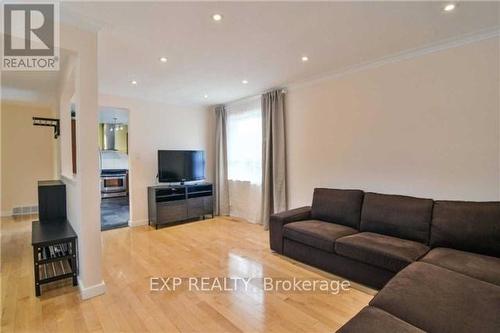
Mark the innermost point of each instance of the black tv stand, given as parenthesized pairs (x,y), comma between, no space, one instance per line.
(168,204)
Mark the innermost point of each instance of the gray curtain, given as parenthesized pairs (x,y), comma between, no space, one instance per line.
(273,155)
(221,183)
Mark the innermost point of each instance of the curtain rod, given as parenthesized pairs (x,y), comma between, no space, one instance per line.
(282,90)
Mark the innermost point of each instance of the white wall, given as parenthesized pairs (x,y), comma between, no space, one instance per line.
(82,189)
(427,126)
(27,154)
(66,93)
(153,126)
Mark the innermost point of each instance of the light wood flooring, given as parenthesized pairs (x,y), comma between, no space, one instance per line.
(214,248)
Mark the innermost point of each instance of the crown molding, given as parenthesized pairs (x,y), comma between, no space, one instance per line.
(400,56)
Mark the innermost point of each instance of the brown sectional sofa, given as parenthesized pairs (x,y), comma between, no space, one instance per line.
(436,262)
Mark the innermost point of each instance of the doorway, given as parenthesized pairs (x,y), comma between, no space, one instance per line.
(114,167)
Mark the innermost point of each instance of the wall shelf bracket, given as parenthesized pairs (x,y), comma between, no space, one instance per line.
(51,122)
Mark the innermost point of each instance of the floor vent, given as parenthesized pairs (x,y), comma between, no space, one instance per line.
(26,210)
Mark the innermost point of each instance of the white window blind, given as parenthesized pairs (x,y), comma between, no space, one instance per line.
(244,141)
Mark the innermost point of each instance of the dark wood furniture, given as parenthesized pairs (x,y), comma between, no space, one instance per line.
(73,141)
(55,253)
(51,200)
(174,203)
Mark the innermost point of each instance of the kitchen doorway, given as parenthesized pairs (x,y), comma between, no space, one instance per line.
(114,167)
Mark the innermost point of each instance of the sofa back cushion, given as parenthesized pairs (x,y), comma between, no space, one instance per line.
(397,215)
(467,226)
(337,206)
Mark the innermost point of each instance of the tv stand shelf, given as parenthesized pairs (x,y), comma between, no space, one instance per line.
(168,204)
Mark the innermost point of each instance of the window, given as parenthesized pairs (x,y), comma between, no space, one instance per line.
(244,141)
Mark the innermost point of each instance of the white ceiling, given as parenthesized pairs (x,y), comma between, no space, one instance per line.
(108,115)
(261,42)
(36,87)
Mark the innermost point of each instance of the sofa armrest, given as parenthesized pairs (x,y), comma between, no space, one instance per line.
(277,221)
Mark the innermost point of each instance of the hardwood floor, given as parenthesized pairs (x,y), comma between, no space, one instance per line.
(211,248)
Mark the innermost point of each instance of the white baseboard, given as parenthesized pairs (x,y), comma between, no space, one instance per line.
(6,213)
(136,223)
(92,291)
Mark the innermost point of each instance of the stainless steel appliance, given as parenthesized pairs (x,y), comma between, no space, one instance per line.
(114,183)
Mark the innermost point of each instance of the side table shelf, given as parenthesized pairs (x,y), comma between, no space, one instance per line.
(55,253)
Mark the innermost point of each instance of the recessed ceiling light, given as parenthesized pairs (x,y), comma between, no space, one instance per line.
(205,96)
(244,81)
(163,59)
(449,7)
(134,82)
(305,58)
(217,17)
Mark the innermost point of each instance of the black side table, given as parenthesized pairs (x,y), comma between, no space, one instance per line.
(55,253)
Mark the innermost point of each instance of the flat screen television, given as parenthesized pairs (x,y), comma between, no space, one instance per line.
(180,165)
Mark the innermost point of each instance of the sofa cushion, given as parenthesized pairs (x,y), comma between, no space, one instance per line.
(318,234)
(337,206)
(375,320)
(277,221)
(382,251)
(478,266)
(468,226)
(439,300)
(397,215)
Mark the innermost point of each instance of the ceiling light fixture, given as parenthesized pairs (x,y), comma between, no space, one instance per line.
(163,59)
(217,17)
(305,58)
(134,82)
(205,96)
(244,81)
(449,7)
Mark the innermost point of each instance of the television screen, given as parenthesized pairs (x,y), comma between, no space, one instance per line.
(181,165)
